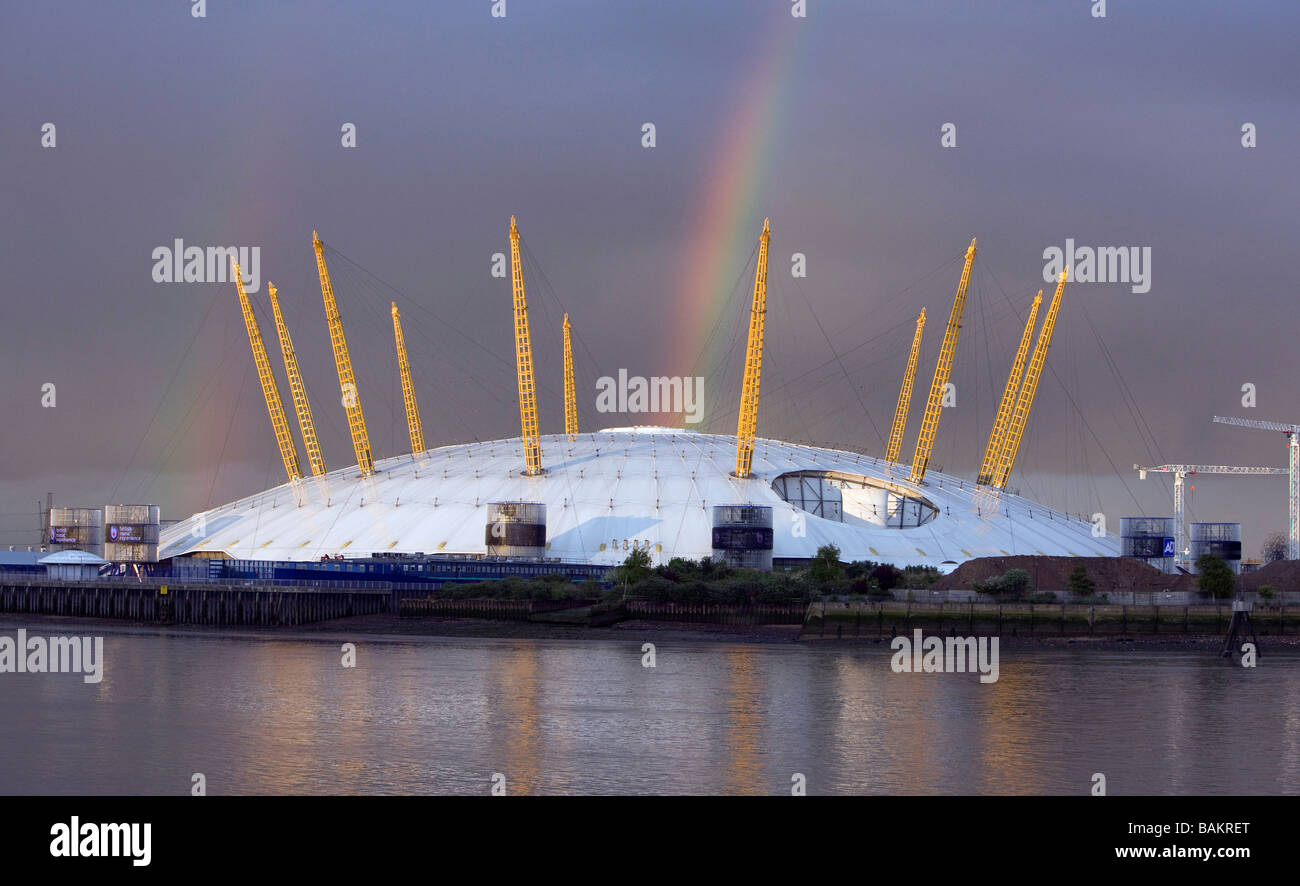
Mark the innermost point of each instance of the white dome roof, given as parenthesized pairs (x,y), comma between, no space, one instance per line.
(645,485)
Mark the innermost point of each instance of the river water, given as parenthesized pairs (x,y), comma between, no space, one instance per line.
(262,714)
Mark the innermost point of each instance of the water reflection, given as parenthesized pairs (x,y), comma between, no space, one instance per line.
(743,769)
(516,684)
(1008,712)
(259,714)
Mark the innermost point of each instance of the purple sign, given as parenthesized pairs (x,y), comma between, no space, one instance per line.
(126,533)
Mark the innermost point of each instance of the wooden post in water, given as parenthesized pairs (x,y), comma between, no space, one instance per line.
(1240,624)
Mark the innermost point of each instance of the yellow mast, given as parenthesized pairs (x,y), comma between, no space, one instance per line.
(942,371)
(296,387)
(347,381)
(905,395)
(408,389)
(1019,418)
(524,362)
(570,393)
(288,452)
(997,437)
(747,422)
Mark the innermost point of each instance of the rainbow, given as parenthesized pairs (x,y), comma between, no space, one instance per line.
(728,219)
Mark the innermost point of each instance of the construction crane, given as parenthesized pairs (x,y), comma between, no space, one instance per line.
(524,362)
(1033,374)
(747,421)
(343,362)
(1180,472)
(1293,460)
(305,423)
(288,452)
(570,392)
(905,395)
(408,389)
(942,371)
(993,452)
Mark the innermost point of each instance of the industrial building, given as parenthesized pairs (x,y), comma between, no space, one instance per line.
(594,497)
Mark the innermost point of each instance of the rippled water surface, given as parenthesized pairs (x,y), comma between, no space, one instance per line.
(278,714)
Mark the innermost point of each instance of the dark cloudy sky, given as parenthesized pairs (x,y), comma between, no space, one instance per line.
(225,130)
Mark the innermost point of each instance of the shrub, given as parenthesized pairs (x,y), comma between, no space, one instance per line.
(710,568)
(678,569)
(1080,584)
(919,577)
(734,590)
(656,590)
(565,591)
(1011,584)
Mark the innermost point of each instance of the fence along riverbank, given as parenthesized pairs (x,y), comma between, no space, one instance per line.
(193,605)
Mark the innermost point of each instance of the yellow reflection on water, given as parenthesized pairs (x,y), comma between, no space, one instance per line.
(279,682)
(1008,717)
(516,674)
(743,769)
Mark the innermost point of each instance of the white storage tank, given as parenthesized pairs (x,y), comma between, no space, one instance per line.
(515,529)
(742,535)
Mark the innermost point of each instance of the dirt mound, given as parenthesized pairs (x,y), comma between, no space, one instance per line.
(1283,575)
(1053,574)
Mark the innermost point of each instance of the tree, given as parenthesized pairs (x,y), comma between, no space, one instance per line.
(678,569)
(887,576)
(635,568)
(1080,584)
(1276,546)
(859,569)
(825,565)
(1214,576)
